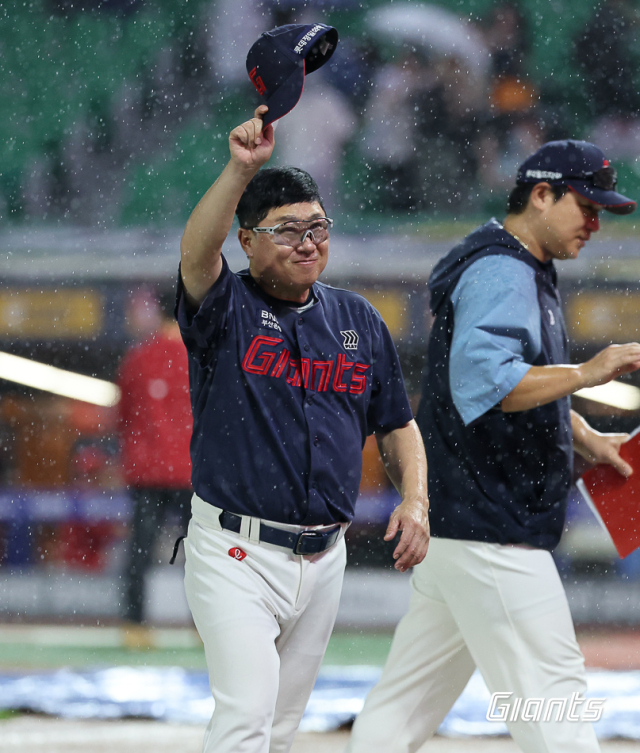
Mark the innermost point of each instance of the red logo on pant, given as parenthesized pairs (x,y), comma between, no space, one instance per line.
(237,553)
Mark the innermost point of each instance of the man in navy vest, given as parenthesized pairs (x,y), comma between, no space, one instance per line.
(500,433)
(288,377)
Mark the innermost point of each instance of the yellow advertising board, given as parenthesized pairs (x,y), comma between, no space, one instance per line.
(50,313)
(604,316)
(393,307)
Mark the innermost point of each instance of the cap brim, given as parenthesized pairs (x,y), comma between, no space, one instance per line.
(612,201)
(285,97)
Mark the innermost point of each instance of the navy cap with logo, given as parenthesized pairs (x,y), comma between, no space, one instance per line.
(581,166)
(278,61)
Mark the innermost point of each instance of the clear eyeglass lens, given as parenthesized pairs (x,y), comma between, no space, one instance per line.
(291,233)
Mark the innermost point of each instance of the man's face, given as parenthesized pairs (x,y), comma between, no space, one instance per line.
(286,272)
(566,225)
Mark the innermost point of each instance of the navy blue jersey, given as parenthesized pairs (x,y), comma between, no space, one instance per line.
(284,397)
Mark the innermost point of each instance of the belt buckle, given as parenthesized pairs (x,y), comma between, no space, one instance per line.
(314,542)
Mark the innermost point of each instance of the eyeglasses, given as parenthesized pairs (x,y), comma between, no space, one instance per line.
(295,232)
(605,178)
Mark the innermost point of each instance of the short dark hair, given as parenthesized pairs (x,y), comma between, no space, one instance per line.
(519,197)
(275,187)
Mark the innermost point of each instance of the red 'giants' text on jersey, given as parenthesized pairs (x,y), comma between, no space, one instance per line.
(265,358)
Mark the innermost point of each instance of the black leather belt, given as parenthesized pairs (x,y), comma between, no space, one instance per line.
(302,542)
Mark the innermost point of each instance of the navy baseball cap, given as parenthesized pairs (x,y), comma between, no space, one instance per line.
(581,166)
(278,61)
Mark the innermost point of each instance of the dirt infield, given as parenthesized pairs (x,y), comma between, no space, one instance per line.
(611,650)
(34,734)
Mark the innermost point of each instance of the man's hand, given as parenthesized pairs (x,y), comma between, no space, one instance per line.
(410,517)
(251,144)
(609,364)
(544,384)
(599,448)
(402,452)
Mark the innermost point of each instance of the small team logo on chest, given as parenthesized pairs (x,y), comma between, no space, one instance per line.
(268,320)
(351,339)
(237,553)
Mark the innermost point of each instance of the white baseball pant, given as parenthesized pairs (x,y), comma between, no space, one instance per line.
(499,608)
(265,621)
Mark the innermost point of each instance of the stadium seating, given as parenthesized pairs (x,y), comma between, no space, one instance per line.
(60,74)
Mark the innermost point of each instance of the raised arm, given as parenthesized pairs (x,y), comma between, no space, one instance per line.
(403,455)
(544,384)
(250,146)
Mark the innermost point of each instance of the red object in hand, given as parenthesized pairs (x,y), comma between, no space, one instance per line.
(615,500)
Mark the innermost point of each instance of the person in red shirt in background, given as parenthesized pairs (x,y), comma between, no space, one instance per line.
(155,425)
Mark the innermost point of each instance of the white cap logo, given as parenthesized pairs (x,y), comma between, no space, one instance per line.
(543,175)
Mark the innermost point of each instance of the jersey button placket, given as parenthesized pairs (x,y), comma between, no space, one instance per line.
(310,402)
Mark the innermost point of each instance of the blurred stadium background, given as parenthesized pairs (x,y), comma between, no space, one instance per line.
(115,116)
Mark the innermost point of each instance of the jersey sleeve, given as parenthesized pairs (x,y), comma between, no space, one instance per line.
(201,328)
(389,406)
(496,333)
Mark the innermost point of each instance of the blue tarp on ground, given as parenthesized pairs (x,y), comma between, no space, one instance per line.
(178,695)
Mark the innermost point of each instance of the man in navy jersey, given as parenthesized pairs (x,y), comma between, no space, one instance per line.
(288,377)
(500,434)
